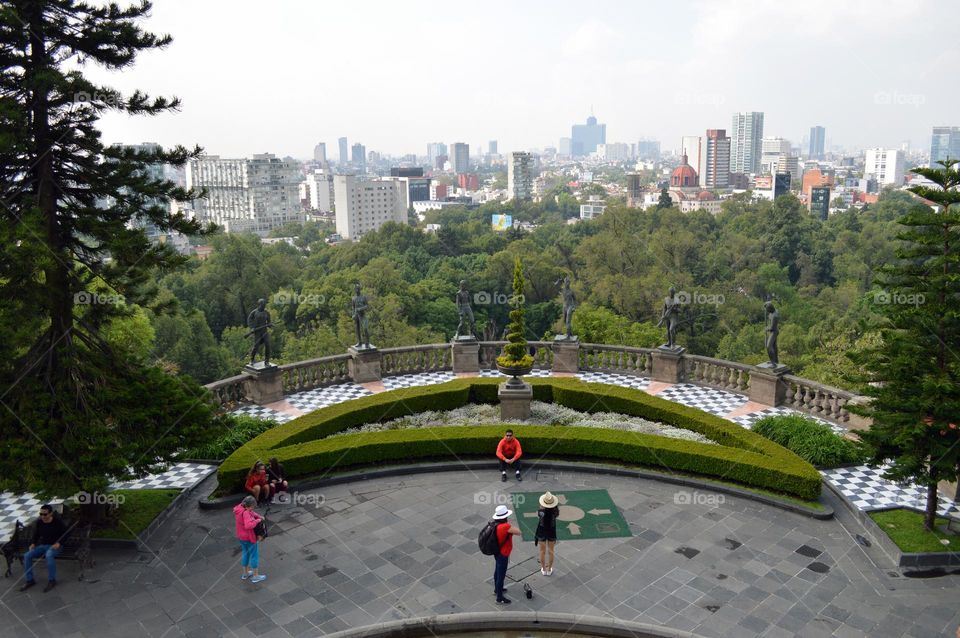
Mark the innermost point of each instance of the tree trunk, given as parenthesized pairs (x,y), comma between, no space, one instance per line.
(930,516)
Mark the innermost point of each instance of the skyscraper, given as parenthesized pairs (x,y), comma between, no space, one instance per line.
(358,157)
(648,150)
(520,176)
(692,147)
(715,159)
(460,153)
(884,165)
(320,153)
(344,158)
(944,143)
(492,147)
(434,151)
(585,137)
(745,150)
(817,136)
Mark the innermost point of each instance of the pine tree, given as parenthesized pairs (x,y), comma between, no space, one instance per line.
(664,201)
(515,352)
(77,413)
(914,374)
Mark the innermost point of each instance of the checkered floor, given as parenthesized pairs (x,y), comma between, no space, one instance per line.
(16,507)
(707,399)
(262,412)
(747,420)
(868,490)
(322,397)
(537,372)
(622,380)
(423,378)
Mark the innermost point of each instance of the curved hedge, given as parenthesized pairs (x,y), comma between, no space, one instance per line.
(741,455)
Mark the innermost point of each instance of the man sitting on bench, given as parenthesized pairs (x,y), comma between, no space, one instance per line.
(48,535)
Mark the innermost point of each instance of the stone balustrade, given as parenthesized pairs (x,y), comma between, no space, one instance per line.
(821,401)
(315,373)
(595,357)
(432,357)
(229,391)
(717,373)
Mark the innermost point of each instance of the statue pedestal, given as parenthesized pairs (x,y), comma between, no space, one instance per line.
(264,382)
(767,385)
(364,364)
(668,364)
(515,402)
(566,354)
(466,355)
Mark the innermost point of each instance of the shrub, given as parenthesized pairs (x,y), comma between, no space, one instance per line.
(811,440)
(239,430)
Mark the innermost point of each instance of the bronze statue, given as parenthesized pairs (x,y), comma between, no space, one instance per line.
(258,321)
(466,312)
(671,317)
(569,305)
(359,316)
(772,330)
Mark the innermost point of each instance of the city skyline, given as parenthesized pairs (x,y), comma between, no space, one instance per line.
(661,84)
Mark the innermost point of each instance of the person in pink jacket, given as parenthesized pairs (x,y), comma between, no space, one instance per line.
(246,520)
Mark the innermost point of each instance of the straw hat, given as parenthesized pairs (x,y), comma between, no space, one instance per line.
(548,500)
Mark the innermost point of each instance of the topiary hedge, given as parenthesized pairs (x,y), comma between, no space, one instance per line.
(741,455)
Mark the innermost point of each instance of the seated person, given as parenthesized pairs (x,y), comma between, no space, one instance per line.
(258,485)
(509,453)
(48,535)
(277,476)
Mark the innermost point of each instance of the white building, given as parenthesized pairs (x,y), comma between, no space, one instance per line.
(694,148)
(520,175)
(790,164)
(771,148)
(319,191)
(246,195)
(884,165)
(745,151)
(593,208)
(613,152)
(363,205)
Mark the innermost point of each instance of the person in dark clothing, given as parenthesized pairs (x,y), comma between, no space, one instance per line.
(546,534)
(48,535)
(278,478)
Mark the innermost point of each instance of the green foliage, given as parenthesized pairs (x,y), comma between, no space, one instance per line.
(811,440)
(137,511)
(906,529)
(238,430)
(515,352)
(740,456)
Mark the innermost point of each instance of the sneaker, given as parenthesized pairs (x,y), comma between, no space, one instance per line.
(550,572)
(245,576)
(544,572)
(503,600)
(503,477)
(27,585)
(50,585)
(258,579)
(519,478)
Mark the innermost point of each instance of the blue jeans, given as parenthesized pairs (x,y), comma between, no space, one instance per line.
(41,550)
(500,573)
(249,554)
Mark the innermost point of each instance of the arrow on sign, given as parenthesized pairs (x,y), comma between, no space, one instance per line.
(562,498)
(597,512)
(574,529)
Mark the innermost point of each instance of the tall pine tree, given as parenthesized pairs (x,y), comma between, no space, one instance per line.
(75,412)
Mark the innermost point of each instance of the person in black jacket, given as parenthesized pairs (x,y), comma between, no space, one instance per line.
(278,479)
(546,534)
(48,535)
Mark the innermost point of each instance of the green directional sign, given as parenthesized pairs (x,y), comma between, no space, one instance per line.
(584,514)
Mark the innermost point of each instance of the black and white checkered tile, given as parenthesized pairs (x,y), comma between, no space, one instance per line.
(16,507)
(423,378)
(622,380)
(263,412)
(537,372)
(310,400)
(179,476)
(747,420)
(716,402)
(866,488)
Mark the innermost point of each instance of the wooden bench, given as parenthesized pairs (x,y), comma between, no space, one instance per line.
(74,546)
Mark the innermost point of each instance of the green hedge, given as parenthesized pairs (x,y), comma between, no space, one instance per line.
(811,440)
(741,456)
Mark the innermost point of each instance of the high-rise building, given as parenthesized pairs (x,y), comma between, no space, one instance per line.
(520,176)
(648,150)
(634,190)
(460,153)
(153,171)
(435,150)
(692,147)
(344,158)
(320,191)
(884,165)
(585,137)
(745,149)
(715,160)
(771,148)
(613,152)
(255,195)
(320,153)
(944,143)
(820,201)
(492,147)
(564,147)
(414,186)
(817,137)
(789,164)
(781,184)
(358,157)
(364,205)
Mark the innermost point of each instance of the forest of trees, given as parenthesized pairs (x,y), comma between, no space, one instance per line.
(820,275)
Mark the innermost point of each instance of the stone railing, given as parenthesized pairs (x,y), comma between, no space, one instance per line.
(433,357)
(229,391)
(315,373)
(595,357)
(717,373)
(818,399)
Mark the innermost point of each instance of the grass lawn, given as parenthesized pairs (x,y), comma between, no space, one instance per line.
(905,528)
(138,510)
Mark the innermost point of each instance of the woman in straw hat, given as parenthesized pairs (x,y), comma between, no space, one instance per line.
(546,535)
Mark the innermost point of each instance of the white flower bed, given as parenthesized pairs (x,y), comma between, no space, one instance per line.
(540,414)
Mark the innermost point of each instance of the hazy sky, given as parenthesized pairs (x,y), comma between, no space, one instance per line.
(281,75)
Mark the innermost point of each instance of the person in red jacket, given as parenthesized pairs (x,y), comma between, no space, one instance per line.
(509,453)
(505,534)
(258,485)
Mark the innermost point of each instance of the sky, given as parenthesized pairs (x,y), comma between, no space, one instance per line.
(279,76)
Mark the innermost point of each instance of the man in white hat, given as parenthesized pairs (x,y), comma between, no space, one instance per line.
(505,534)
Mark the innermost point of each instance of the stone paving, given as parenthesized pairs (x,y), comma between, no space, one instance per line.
(388,549)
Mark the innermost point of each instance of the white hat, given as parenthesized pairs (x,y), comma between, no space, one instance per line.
(501,512)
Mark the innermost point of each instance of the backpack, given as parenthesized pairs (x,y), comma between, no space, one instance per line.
(487,540)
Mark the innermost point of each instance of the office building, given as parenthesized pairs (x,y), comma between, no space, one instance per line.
(254,195)
(613,152)
(584,138)
(364,205)
(564,147)
(320,153)
(593,208)
(884,165)
(715,160)
(820,202)
(781,184)
(153,171)
(745,149)
(771,148)
(344,151)
(816,142)
(492,147)
(434,151)
(944,143)
(692,147)
(789,164)
(634,190)
(414,186)
(358,158)
(520,176)
(319,187)
(648,150)
(460,157)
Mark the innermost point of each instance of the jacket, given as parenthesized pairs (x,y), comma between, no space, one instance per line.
(246,520)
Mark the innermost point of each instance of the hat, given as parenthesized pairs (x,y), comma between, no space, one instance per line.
(501,512)
(548,500)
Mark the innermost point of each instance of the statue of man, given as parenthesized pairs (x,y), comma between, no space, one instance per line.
(773,329)
(465,310)
(670,316)
(359,316)
(569,305)
(258,321)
